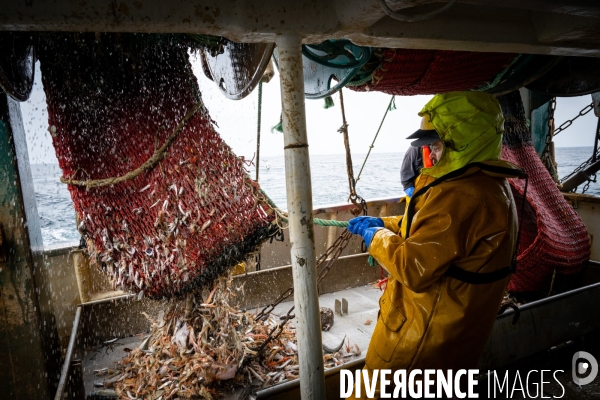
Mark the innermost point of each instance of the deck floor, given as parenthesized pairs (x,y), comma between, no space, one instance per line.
(363,305)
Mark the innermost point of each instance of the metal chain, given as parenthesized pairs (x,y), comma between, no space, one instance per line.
(569,122)
(547,156)
(583,166)
(587,163)
(328,258)
(276,331)
(257,259)
(357,200)
(551,131)
(264,313)
(324,263)
(587,184)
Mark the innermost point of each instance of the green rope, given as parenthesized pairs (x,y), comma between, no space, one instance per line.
(316,221)
(360,80)
(330,222)
(389,108)
(498,78)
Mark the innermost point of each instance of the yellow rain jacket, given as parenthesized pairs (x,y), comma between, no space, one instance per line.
(428,319)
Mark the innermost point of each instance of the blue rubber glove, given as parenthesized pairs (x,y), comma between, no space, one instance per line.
(368,235)
(359,224)
(409,191)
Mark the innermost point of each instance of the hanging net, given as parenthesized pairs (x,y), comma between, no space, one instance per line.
(162,202)
(407,72)
(553,237)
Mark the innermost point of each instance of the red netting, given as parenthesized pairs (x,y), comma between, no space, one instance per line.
(176,225)
(407,72)
(552,236)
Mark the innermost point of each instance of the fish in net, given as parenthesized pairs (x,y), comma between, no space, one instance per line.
(163,203)
(553,236)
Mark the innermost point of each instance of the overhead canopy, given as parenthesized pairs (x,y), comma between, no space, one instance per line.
(564,27)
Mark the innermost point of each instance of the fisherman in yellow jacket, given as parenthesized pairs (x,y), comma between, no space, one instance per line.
(450,256)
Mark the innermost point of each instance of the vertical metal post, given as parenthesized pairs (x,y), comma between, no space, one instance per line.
(258,129)
(299,204)
(596,139)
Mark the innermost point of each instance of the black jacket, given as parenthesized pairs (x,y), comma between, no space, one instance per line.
(411,166)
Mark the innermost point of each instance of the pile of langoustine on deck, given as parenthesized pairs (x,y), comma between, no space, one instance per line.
(204,348)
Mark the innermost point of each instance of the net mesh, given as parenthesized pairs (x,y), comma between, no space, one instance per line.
(407,72)
(113,102)
(553,237)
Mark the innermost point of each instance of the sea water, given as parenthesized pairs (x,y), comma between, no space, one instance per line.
(380,178)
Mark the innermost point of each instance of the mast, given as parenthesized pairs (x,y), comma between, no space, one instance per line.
(299,205)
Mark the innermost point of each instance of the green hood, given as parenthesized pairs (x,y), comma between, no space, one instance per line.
(470,124)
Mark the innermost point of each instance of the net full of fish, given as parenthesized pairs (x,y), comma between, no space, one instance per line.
(165,208)
(163,203)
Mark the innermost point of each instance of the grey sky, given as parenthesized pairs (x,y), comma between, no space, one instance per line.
(237,121)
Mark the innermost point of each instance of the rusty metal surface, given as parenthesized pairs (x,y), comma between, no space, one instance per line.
(28,349)
(528,26)
(239,69)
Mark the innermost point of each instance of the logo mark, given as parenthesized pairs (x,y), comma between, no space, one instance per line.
(590,365)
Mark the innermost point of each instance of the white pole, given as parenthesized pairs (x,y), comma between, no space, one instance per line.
(299,205)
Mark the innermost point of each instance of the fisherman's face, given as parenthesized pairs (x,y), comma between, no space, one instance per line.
(437,148)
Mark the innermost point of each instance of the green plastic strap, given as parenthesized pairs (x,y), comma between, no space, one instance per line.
(328,102)
(372,261)
(279,126)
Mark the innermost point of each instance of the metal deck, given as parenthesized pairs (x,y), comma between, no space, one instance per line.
(363,305)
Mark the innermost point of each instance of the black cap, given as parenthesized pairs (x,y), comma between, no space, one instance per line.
(423,137)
